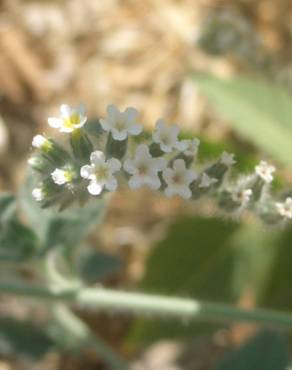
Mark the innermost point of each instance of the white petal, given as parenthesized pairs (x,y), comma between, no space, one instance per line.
(129,166)
(97,157)
(105,124)
(142,152)
(82,122)
(135,129)
(131,114)
(153,182)
(191,175)
(184,192)
(174,129)
(119,135)
(160,125)
(167,175)
(182,145)
(114,164)
(135,182)
(179,165)
(65,110)
(165,148)
(111,184)
(94,188)
(170,191)
(55,122)
(66,129)
(158,164)
(112,111)
(86,171)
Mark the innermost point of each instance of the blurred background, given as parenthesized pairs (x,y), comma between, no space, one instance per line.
(223,71)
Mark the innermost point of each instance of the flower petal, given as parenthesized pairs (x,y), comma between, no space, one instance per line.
(111,183)
(114,164)
(135,129)
(94,188)
(119,135)
(105,124)
(184,192)
(97,157)
(65,110)
(131,114)
(135,182)
(179,165)
(153,182)
(86,171)
(129,166)
(55,122)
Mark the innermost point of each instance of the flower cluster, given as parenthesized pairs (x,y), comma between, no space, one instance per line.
(166,163)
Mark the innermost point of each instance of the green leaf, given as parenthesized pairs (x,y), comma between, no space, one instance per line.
(67,228)
(266,351)
(260,112)
(194,260)
(96,266)
(17,242)
(7,206)
(23,338)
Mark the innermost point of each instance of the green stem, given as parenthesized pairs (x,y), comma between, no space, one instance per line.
(154,305)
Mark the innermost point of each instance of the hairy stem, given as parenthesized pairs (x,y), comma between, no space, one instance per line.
(154,305)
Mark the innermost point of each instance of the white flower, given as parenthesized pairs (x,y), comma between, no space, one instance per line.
(61,177)
(242,196)
(38,194)
(178,179)
(192,147)
(70,120)
(121,124)
(100,173)
(40,142)
(265,171)
(167,137)
(227,159)
(207,181)
(144,169)
(285,209)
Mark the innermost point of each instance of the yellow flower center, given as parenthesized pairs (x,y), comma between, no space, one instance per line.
(72,121)
(101,172)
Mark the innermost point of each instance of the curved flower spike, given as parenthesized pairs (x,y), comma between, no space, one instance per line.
(70,118)
(178,179)
(100,173)
(121,124)
(144,169)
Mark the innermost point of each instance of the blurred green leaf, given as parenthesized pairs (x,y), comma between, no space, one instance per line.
(17,242)
(7,206)
(96,266)
(67,228)
(195,260)
(260,112)
(266,351)
(23,338)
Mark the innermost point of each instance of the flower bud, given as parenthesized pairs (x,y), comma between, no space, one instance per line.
(81,145)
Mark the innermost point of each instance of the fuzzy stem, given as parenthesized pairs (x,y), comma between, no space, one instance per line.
(154,305)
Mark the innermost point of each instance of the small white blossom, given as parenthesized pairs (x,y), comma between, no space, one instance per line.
(242,196)
(167,137)
(178,179)
(61,177)
(207,181)
(40,142)
(228,159)
(38,194)
(144,169)
(70,119)
(121,124)
(192,147)
(100,173)
(285,209)
(265,171)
